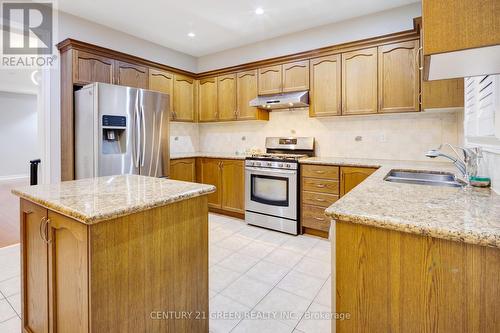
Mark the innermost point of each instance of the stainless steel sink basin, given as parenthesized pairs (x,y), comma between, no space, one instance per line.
(423,178)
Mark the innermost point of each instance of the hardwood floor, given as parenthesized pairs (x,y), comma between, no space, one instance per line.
(9,212)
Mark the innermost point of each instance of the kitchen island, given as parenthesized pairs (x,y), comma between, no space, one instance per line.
(115,254)
(415,258)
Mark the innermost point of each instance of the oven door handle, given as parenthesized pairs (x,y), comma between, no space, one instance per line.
(272,171)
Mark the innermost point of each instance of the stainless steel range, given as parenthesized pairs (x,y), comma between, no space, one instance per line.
(272,184)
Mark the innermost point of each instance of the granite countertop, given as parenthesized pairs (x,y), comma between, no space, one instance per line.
(94,200)
(470,215)
(232,156)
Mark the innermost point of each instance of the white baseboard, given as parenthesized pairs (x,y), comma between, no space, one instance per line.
(13,177)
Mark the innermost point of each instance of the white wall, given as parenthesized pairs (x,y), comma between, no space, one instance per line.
(18,133)
(382,23)
(397,136)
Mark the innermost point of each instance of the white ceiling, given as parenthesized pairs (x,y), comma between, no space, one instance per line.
(218,24)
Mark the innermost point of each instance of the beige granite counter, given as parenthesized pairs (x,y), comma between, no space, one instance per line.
(94,200)
(465,215)
(232,156)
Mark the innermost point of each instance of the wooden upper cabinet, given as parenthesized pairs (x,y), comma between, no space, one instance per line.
(325,94)
(246,90)
(131,75)
(270,80)
(163,82)
(398,77)
(89,68)
(211,173)
(350,177)
(443,94)
(295,76)
(208,99)
(452,25)
(359,82)
(183,98)
(226,97)
(233,186)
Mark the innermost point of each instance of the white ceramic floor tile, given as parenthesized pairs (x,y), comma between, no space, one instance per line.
(225,314)
(319,254)
(324,296)
(15,302)
(267,272)
(211,293)
(274,238)
(220,277)
(251,232)
(11,286)
(262,326)
(301,284)
(6,311)
(234,242)
(257,250)
(9,262)
(217,235)
(300,244)
(12,325)
(288,307)
(233,226)
(314,267)
(217,254)
(316,320)
(284,257)
(247,291)
(239,262)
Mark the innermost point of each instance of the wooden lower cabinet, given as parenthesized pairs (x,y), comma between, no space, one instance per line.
(183,169)
(391,281)
(350,177)
(113,275)
(229,178)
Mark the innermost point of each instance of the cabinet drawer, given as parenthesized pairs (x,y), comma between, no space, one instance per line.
(319,199)
(315,218)
(320,171)
(320,185)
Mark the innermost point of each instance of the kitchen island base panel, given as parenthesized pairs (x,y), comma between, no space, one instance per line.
(391,281)
(136,273)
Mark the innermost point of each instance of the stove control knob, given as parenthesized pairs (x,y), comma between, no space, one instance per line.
(250,163)
(288,165)
(280,165)
(269,164)
(257,164)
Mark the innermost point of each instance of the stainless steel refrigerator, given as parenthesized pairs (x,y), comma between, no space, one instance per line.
(121,130)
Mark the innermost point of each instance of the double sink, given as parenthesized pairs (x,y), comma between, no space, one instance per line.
(424,178)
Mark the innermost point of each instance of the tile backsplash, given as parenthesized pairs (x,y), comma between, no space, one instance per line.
(395,136)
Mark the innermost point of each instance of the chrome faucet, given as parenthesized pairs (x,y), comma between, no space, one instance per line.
(467,165)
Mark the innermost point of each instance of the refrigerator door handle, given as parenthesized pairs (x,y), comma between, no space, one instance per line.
(143,121)
(138,134)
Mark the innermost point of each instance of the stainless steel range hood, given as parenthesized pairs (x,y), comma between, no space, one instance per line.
(298,99)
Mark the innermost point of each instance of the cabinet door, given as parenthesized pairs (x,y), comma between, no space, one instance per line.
(208,99)
(163,82)
(359,82)
(92,68)
(351,177)
(69,276)
(183,98)
(325,94)
(35,273)
(210,173)
(233,186)
(246,90)
(183,169)
(398,77)
(443,94)
(296,76)
(226,97)
(270,80)
(131,75)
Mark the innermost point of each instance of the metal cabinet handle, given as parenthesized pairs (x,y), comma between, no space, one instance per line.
(319,171)
(319,218)
(41,227)
(47,234)
(320,185)
(320,200)
(419,57)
